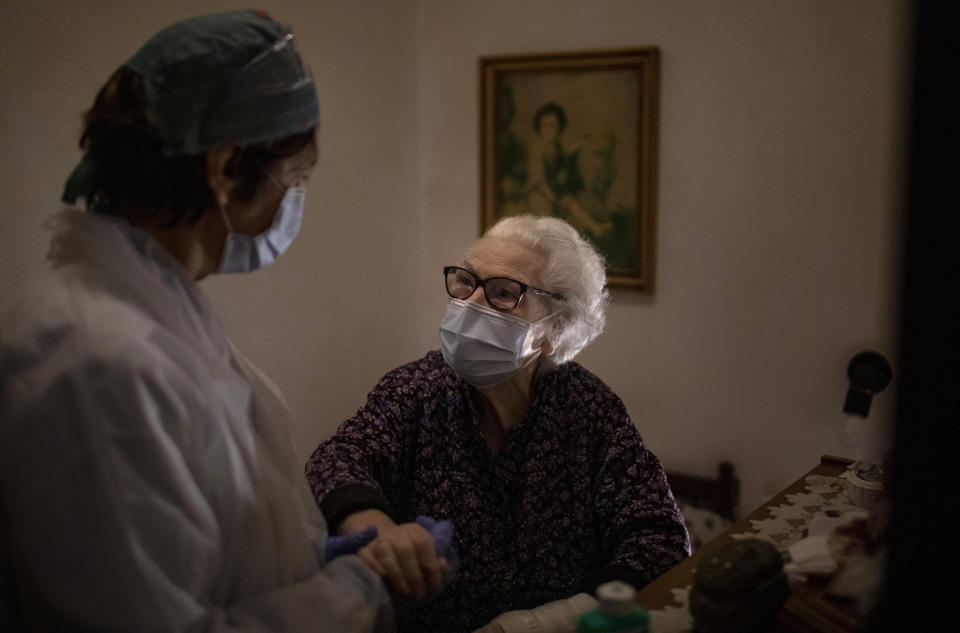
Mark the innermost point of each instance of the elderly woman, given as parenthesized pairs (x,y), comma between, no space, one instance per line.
(147,480)
(533,459)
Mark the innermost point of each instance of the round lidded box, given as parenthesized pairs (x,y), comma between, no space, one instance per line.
(739,587)
(864,483)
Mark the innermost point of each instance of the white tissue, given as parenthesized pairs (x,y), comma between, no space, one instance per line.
(811,556)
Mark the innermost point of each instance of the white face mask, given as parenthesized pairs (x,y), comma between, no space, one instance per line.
(246,253)
(486,347)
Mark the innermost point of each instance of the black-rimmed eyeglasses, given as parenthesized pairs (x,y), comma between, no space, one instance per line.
(502,293)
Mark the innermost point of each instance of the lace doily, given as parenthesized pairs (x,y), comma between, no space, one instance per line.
(787,522)
(784,528)
(673,619)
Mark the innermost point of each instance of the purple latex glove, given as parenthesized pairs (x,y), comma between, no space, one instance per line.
(442,533)
(350,544)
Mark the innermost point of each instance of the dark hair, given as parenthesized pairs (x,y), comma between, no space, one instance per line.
(550,108)
(135,177)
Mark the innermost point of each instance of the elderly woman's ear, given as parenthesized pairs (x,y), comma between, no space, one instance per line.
(552,336)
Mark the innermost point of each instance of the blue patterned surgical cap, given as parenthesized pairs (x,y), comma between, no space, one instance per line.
(220,80)
(232,78)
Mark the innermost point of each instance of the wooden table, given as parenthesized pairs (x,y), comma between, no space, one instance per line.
(807,610)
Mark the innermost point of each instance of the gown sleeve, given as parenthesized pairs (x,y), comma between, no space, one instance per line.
(111,526)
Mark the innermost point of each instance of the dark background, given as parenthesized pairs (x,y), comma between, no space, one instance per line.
(921,585)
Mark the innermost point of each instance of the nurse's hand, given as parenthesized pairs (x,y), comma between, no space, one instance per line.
(350,544)
(405,557)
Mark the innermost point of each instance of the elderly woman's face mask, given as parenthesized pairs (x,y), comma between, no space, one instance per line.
(486,347)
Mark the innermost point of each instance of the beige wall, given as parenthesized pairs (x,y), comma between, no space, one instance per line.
(777,214)
(777,221)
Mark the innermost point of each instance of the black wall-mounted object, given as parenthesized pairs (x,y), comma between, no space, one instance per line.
(869,372)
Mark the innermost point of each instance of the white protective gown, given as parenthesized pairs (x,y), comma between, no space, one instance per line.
(147,476)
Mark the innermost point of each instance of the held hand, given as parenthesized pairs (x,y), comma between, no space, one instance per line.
(406,557)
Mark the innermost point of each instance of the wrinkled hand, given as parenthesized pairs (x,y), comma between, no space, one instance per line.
(409,557)
(350,544)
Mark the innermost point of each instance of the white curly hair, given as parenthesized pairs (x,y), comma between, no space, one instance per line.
(569,266)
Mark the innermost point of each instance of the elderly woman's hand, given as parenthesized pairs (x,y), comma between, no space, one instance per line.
(559,616)
(406,558)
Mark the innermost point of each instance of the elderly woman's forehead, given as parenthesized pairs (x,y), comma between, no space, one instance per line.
(503,256)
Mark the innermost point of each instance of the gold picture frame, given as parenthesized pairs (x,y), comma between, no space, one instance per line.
(574,135)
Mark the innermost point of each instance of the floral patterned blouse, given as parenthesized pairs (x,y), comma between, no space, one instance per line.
(572,499)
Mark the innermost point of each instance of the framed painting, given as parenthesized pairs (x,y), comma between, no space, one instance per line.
(574,135)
